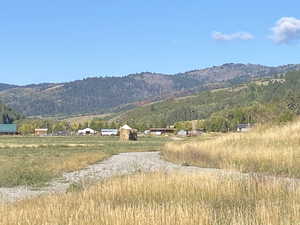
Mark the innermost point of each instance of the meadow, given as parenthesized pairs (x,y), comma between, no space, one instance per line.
(176,198)
(270,150)
(164,199)
(37,160)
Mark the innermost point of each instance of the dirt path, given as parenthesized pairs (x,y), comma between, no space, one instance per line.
(124,163)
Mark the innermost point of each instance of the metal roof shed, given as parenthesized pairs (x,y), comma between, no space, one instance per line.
(8,128)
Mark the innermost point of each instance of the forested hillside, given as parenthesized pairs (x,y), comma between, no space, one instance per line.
(275,100)
(107,94)
(7,115)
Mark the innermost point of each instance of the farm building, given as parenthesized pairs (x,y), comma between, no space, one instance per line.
(109,132)
(146,132)
(128,134)
(196,132)
(41,132)
(61,133)
(86,131)
(8,129)
(182,133)
(162,131)
(243,127)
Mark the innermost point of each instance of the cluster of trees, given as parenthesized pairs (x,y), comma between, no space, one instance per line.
(228,120)
(197,107)
(27,126)
(7,115)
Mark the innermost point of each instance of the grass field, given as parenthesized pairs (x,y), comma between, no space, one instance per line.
(270,150)
(164,199)
(161,198)
(37,160)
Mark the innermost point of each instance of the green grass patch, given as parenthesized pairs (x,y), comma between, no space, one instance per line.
(35,161)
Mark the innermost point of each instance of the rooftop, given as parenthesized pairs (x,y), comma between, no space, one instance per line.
(8,128)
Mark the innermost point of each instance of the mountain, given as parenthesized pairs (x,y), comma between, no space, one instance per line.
(106,94)
(265,100)
(6,86)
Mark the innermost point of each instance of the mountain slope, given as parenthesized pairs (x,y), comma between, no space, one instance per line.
(265,100)
(104,94)
(6,86)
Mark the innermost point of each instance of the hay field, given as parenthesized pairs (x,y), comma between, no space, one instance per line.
(164,199)
(37,160)
(270,150)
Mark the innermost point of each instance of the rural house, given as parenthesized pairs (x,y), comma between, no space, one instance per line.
(86,131)
(8,129)
(41,132)
(128,134)
(182,133)
(109,132)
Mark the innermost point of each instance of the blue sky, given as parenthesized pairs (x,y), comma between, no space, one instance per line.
(55,41)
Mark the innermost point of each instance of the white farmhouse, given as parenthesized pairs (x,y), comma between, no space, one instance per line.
(86,131)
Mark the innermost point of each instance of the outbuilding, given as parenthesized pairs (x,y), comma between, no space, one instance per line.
(41,132)
(182,133)
(8,129)
(162,131)
(128,134)
(109,132)
(196,132)
(87,131)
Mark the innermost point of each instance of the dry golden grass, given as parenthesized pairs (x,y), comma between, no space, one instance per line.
(77,161)
(164,199)
(273,150)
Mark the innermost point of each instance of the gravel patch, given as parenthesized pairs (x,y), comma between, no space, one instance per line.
(122,164)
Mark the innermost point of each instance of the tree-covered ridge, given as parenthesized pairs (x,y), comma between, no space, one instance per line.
(275,100)
(269,100)
(107,94)
(7,115)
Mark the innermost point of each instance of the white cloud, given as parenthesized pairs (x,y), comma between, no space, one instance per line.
(218,36)
(286,30)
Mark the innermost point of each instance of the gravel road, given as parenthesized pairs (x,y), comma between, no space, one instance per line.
(124,163)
